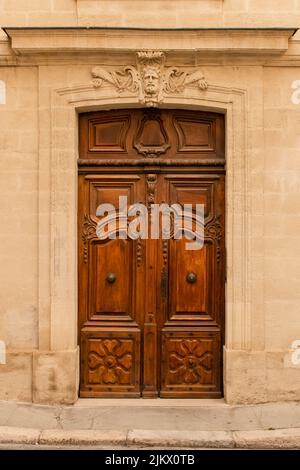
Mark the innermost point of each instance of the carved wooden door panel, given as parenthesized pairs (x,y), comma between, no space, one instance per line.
(191,292)
(110,292)
(151,311)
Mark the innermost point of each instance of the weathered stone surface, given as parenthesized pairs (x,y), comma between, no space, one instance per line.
(168,414)
(175,13)
(55,377)
(276,439)
(16,377)
(258,439)
(67,437)
(197,439)
(19,435)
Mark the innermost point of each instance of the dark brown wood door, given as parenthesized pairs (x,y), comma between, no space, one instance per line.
(151,311)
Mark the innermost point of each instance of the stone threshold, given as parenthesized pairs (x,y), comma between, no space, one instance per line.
(149,402)
(163,415)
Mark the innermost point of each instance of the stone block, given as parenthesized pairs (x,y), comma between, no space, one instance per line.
(55,376)
(16,377)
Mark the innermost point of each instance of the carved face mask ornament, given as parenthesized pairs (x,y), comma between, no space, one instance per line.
(151,80)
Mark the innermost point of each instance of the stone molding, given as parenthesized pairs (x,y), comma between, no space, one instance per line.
(81,39)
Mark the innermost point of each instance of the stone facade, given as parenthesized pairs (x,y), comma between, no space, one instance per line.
(46,79)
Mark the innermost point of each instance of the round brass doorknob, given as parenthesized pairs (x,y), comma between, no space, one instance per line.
(111,277)
(191,278)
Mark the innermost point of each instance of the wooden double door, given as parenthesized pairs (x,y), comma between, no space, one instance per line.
(151,311)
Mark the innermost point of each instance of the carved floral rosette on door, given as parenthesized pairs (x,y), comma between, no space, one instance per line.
(151,312)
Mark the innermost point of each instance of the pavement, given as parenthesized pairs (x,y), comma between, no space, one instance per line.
(158,423)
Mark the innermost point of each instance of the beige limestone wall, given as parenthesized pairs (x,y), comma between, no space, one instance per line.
(38,12)
(18,234)
(188,13)
(38,150)
(282,207)
(150,13)
(42,354)
(18,207)
(266,373)
(282,227)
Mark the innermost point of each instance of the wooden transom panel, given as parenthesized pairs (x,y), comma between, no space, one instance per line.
(176,134)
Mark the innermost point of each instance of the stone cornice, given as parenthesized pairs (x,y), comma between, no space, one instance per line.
(91,40)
